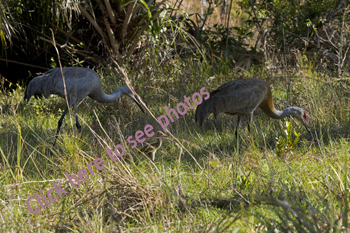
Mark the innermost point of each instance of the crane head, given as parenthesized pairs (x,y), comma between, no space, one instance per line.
(300,114)
(129,93)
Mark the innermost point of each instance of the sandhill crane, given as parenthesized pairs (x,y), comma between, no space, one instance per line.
(79,83)
(151,149)
(242,97)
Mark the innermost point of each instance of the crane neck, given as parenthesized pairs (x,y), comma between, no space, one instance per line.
(105,98)
(273,113)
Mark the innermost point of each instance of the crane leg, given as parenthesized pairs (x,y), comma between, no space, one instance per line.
(60,124)
(249,120)
(76,117)
(238,119)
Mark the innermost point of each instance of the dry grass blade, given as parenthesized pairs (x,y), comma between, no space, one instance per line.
(63,78)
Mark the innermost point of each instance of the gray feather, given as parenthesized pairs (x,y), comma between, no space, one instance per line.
(76,83)
(242,97)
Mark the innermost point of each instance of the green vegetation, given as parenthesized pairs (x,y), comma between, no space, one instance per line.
(252,189)
(274,179)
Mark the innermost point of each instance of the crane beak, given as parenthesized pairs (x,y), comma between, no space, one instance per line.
(308,130)
(134,98)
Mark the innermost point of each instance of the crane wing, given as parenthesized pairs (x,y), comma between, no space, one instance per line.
(235,97)
(238,98)
(79,82)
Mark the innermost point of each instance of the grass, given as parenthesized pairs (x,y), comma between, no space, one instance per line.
(209,182)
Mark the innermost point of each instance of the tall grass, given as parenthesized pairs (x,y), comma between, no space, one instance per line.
(236,186)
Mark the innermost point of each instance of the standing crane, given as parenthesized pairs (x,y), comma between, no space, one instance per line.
(241,97)
(79,83)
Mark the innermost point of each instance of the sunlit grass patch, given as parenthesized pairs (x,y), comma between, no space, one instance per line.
(201,180)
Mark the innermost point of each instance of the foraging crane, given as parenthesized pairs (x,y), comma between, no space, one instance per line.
(151,149)
(242,97)
(79,83)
